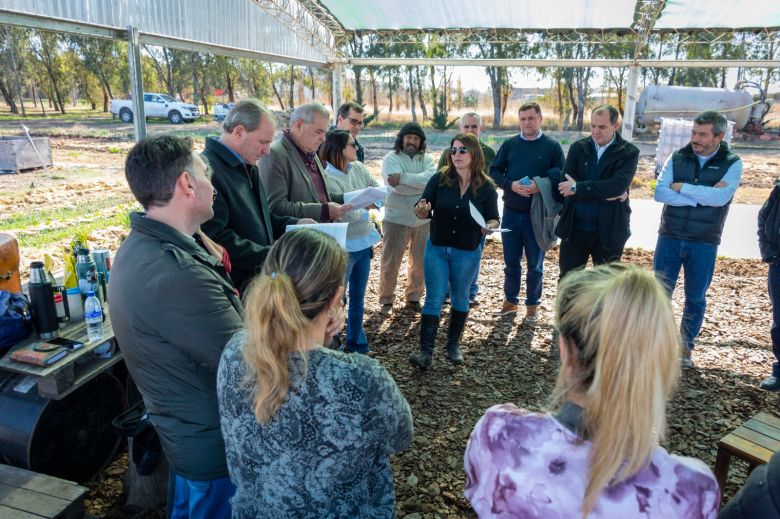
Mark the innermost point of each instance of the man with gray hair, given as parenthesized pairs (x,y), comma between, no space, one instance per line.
(696,186)
(293,175)
(243,223)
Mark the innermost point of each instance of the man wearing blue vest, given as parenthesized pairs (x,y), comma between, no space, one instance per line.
(696,186)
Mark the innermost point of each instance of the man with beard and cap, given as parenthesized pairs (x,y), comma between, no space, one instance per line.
(406,171)
(696,186)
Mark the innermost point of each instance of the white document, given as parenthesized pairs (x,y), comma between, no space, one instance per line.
(477,216)
(365,197)
(337,231)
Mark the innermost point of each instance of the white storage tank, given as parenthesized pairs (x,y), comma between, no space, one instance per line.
(657,102)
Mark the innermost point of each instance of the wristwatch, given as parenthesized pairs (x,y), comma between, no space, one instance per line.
(573,188)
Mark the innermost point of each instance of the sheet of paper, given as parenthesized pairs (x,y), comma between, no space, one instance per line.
(337,231)
(477,216)
(365,197)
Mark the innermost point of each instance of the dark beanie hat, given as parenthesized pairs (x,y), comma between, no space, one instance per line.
(412,128)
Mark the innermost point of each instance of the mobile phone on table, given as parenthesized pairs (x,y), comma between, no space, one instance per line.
(66,343)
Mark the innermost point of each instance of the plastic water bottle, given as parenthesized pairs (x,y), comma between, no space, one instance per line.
(93,314)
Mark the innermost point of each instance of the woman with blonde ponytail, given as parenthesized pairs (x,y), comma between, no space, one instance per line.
(597,455)
(307,430)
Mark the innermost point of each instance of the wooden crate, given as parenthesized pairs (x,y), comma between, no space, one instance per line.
(17,154)
(29,495)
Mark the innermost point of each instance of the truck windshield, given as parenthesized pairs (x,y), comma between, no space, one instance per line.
(168,98)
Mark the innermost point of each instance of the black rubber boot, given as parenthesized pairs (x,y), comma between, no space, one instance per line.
(429,326)
(457,323)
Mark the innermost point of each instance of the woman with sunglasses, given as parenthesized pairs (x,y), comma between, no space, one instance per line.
(452,252)
(344,174)
(597,454)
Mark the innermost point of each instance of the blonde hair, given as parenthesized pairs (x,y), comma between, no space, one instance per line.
(302,273)
(617,323)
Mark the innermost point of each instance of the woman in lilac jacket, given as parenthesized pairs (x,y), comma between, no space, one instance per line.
(597,455)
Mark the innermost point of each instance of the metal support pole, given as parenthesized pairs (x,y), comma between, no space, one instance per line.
(629,112)
(337,71)
(136,83)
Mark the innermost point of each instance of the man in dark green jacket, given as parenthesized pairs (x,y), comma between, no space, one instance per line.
(595,217)
(242,221)
(173,309)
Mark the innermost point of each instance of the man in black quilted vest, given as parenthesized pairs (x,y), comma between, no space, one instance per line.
(696,186)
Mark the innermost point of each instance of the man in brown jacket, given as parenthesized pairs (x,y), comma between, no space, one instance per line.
(294,177)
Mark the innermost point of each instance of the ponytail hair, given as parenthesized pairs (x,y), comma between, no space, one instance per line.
(302,273)
(617,324)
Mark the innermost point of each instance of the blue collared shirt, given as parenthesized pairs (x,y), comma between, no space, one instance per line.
(601,149)
(537,137)
(693,195)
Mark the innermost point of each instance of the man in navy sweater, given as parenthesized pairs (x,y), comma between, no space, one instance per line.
(520,160)
(598,171)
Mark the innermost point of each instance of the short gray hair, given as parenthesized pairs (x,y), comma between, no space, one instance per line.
(475,115)
(248,113)
(716,119)
(307,112)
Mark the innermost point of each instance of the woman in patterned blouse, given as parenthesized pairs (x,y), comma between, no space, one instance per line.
(598,455)
(308,431)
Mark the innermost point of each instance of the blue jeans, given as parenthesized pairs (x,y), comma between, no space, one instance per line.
(774,296)
(358,267)
(474,290)
(448,267)
(698,262)
(521,238)
(208,499)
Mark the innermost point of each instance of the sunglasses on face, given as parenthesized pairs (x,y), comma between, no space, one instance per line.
(353,144)
(462,150)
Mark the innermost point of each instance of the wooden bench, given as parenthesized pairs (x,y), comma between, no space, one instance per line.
(754,441)
(29,495)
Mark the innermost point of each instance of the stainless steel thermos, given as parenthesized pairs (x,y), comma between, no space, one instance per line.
(44,310)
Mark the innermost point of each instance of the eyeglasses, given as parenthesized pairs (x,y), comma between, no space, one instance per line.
(462,150)
(353,144)
(355,122)
(214,194)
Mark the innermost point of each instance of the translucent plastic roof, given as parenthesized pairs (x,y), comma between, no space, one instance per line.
(357,15)
(719,14)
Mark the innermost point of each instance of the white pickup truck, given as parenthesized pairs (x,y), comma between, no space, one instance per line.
(158,106)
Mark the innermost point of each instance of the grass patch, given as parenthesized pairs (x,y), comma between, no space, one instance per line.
(114,149)
(37,217)
(40,239)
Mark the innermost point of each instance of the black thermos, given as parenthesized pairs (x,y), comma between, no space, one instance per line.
(44,309)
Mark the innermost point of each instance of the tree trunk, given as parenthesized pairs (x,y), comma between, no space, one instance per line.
(559,91)
(372,77)
(9,99)
(390,92)
(276,93)
(575,108)
(411,93)
(291,97)
(313,86)
(420,96)
(229,87)
(358,85)
(105,101)
(495,88)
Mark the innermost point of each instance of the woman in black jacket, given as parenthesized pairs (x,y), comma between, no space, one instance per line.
(453,251)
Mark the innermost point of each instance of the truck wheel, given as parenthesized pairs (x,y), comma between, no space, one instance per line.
(175,117)
(126,115)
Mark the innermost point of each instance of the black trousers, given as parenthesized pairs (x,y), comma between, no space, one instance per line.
(583,245)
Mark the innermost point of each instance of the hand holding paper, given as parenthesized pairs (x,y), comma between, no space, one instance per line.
(477,216)
(365,197)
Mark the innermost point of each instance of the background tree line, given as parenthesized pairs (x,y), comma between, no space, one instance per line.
(52,71)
